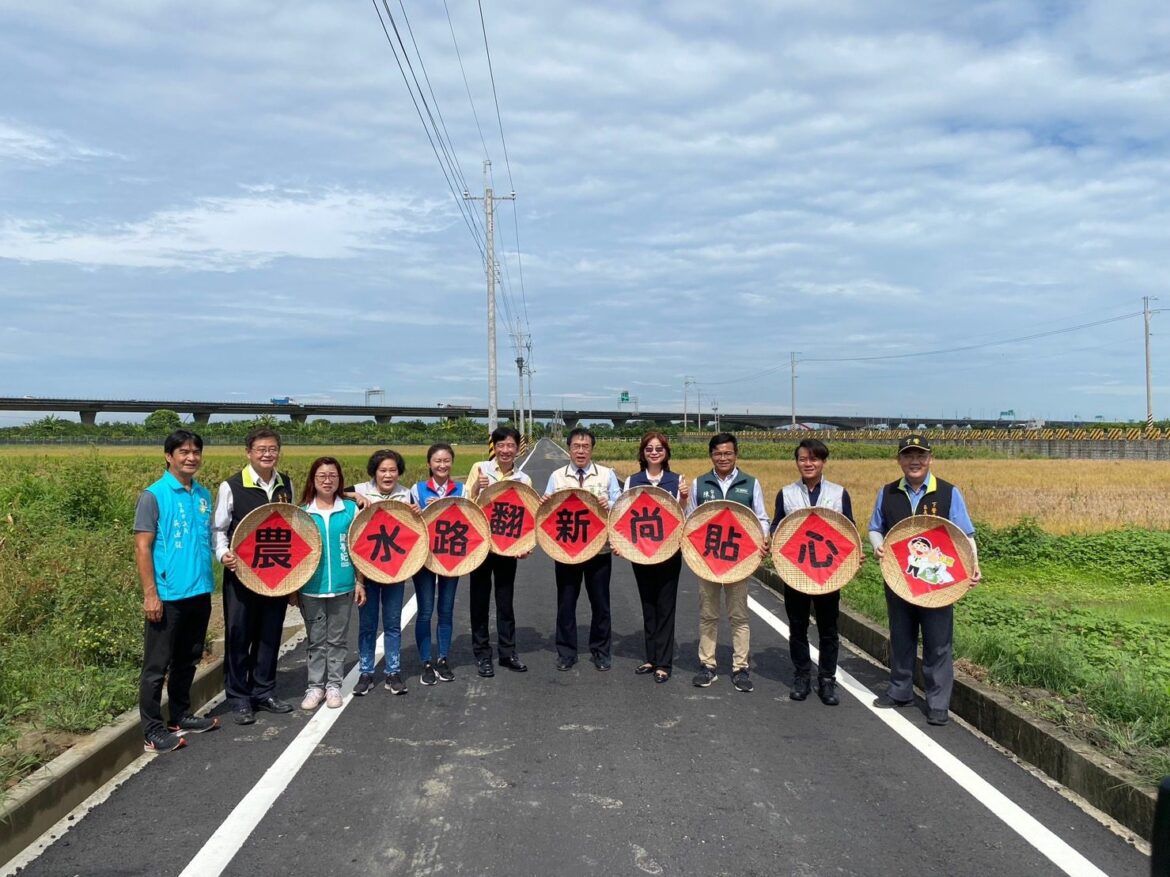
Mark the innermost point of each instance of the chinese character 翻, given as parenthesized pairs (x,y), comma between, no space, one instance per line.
(810,549)
(646,525)
(507,520)
(385,543)
(273,548)
(450,538)
(715,545)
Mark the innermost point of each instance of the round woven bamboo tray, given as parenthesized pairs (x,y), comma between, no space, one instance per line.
(514,533)
(645,525)
(927,561)
(277,547)
(577,538)
(458,535)
(732,560)
(388,541)
(816,551)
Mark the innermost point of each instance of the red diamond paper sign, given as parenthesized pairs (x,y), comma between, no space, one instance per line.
(452,537)
(508,519)
(647,523)
(385,543)
(573,525)
(273,550)
(723,542)
(818,549)
(929,561)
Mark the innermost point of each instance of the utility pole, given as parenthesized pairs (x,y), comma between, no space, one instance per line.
(490,267)
(715,408)
(528,371)
(793,361)
(1149,383)
(688,382)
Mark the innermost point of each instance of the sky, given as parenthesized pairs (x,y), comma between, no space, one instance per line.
(236,201)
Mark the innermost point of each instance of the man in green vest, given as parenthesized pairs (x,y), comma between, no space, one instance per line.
(725,481)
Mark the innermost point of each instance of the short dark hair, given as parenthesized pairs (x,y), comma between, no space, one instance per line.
(578,431)
(261,432)
(816,447)
(379,457)
(310,489)
(722,438)
(180,437)
(435,448)
(505,432)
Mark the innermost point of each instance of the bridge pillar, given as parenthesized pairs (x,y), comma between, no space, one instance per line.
(618,421)
(201,417)
(382,418)
(88,418)
(299,417)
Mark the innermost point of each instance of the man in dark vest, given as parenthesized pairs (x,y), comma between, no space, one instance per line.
(918,492)
(252,622)
(725,481)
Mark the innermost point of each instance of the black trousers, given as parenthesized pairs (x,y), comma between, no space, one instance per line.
(172,648)
(503,570)
(252,628)
(658,588)
(595,573)
(826,606)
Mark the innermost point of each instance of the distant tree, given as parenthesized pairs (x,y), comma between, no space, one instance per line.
(163,421)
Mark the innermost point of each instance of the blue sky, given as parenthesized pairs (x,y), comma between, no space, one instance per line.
(238,200)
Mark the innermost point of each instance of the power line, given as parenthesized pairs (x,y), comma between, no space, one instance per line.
(465,212)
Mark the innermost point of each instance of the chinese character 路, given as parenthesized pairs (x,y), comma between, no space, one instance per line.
(450,538)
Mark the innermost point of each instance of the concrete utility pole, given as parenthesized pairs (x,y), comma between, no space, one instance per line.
(528,372)
(715,409)
(688,382)
(793,360)
(1149,383)
(490,267)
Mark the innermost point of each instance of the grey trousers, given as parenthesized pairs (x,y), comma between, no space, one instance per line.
(327,626)
(938,671)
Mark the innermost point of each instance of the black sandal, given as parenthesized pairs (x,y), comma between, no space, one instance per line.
(643,669)
(661,674)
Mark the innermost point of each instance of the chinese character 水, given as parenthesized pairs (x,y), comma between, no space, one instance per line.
(384,543)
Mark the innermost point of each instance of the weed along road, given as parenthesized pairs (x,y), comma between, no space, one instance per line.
(588,772)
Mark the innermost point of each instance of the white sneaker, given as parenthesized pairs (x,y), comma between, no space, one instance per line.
(313,698)
(333,698)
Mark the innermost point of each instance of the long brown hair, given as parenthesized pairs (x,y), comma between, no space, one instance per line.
(310,490)
(662,440)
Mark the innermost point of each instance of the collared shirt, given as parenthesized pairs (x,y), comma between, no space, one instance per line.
(492,470)
(370,491)
(958,516)
(178,517)
(758,507)
(223,506)
(612,489)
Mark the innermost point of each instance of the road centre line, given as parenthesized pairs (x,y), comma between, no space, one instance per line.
(234,832)
(1011,814)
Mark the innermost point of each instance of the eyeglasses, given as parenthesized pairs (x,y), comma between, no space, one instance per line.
(654,449)
(322,476)
(266,452)
(580,446)
(723,455)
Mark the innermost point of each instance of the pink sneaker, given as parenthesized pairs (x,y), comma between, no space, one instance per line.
(313,698)
(333,698)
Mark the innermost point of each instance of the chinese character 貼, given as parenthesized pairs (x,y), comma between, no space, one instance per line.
(715,545)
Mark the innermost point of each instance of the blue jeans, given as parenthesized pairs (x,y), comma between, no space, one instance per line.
(384,601)
(425,583)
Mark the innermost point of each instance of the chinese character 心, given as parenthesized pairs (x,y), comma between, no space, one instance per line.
(809,549)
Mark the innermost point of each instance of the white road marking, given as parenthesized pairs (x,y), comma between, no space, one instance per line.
(1012,815)
(234,832)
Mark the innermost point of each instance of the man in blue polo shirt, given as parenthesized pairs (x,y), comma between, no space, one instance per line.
(172,549)
(919,492)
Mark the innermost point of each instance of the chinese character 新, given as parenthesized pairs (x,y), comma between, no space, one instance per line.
(572,526)
(384,543)
(273,548)
(450,538)
(715,545)
(507,520)
(809,549)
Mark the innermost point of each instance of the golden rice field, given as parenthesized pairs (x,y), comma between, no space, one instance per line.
(1064,496)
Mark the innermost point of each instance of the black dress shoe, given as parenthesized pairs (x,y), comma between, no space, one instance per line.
(565,663)
(244,716)
(484,668)
(602,662)
(273,705)
(800,688)
(827,692)
(513,663)
(937,717)
(885,702)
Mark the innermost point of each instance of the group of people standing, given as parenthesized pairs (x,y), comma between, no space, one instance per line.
(177,529)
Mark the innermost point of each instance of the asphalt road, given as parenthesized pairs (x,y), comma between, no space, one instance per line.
(584,772)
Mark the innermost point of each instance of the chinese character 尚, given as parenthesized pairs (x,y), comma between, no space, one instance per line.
(647,525)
